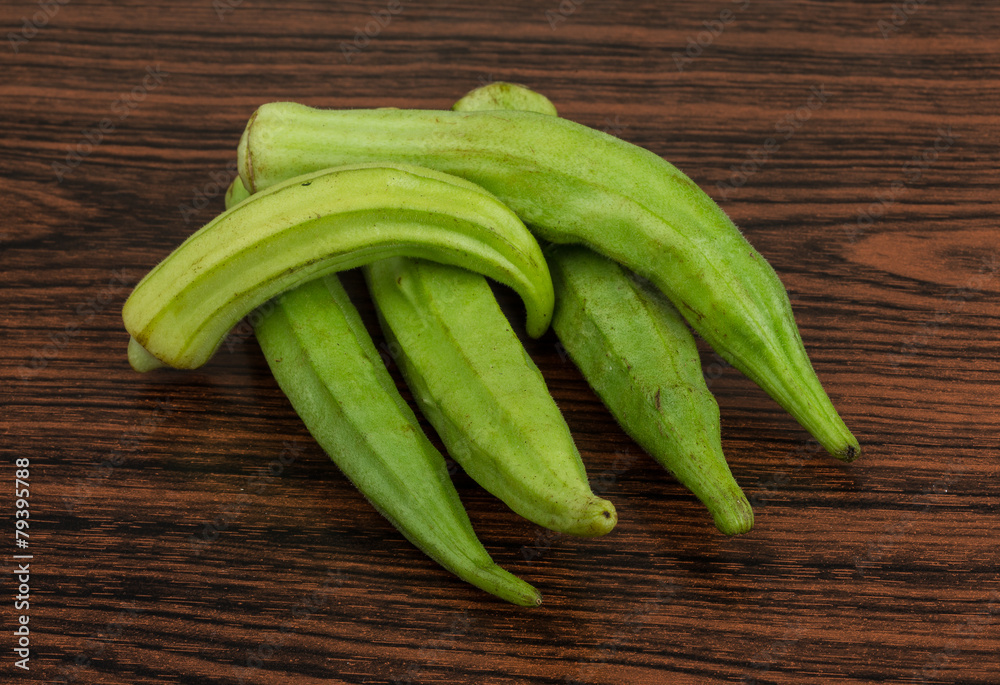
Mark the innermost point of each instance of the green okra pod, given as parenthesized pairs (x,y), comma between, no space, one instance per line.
(326,364)
(637,354)
(319,223)
(573,184)
(500,95)
(483,394)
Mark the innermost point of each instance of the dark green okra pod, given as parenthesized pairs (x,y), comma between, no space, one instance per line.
(328,367)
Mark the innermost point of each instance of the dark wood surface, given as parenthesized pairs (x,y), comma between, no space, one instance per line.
(185,528)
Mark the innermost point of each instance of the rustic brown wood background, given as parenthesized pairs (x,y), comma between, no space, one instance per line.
(185,528)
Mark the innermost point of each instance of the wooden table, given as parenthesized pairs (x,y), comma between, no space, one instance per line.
(185,528)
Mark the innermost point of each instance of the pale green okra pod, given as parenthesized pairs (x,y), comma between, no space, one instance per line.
(320,223)
(573,184)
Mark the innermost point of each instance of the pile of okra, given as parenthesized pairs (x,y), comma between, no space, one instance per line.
(614,248)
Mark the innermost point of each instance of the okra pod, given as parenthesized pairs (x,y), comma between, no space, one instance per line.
(325,362)
(573,184)
(483,394)
(319,223)
(638,355)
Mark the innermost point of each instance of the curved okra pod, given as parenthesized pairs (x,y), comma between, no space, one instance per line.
(483,394)
(637,354)
(328,367)
(316,224)
(640,358)
(574,184)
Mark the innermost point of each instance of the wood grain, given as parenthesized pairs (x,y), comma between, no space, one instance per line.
(185,528)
